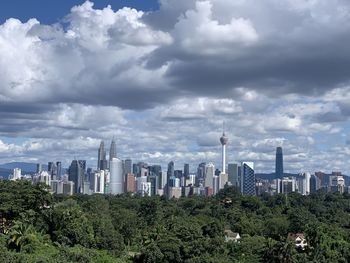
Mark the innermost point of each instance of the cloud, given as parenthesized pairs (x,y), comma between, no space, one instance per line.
(162,83)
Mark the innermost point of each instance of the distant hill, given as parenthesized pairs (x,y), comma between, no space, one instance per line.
(4,173)
(271,176)
(27,167)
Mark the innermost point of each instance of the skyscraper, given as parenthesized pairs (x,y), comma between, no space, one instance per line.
(52,170)
(233,174)
(305,185)
(209,175)
(128,166)
(59,169)
(113,151)
(171,170)
(186,169)
(116,176)
(279,163)
(102,161)
(170,173)
(38,168)
(248,178)
(76,176)
(200,174)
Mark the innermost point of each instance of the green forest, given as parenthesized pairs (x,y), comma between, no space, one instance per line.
(36,226)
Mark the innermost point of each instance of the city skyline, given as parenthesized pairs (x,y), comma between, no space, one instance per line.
(161,79)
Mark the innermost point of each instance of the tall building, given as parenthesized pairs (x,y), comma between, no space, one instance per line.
(337,183)
(209,175)
(279,163)
(233,174)
(171,171)
(286,185)
(116,176)
(200,174)
(17,174)
(323,178)
(178,173)
(102,161)
(163,180)
(76,174)
(128,166)
(223,141)
(52,169)
(130,183)
(142,186)
(154,180)
(59,170)
(216,184)
(38,168)
(315,183)
(113,151)
(99,182)
(304,188)
(248,178)
(136,169)
(186,169)
(191,180)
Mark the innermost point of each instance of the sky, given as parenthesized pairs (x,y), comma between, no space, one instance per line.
(162,77)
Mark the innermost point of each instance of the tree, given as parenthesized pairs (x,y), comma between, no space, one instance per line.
(70,225)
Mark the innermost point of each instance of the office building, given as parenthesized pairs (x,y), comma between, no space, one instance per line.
(113,150)
(186,169)
(315,183)
(116,185)
(102,160)
(171,170)
(76,175)
(59,170)
(128,167)
(248,178)
(304,183)
(233,174)
(153,179)
(175,192)
(17,174)
(209,175)
(286,185)
(38,168)
(130,183)
(279,163)
(99,182)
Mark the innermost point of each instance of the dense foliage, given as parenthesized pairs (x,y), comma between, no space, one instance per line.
(38,227)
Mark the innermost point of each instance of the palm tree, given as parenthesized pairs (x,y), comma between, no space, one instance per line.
(21,234)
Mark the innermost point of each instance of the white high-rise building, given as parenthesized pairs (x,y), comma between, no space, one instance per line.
(143,187)
(116,184)
(286,185)
(191,180)
(304,186)
(216,184)
(17,174)
(209,175)
(44,177)
(163,180)
(99,182)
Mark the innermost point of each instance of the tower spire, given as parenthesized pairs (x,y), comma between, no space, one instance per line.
(223,141)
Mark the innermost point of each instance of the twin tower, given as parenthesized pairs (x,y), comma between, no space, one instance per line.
(102,163)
